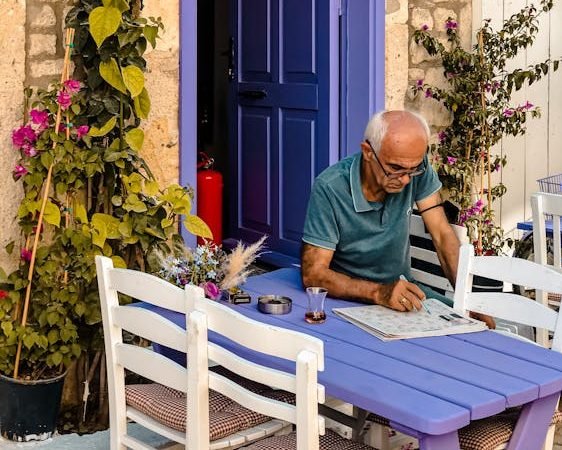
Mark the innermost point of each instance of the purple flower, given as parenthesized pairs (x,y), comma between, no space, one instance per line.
(64,100)
(23,135)
(29,150)
(441,136)
(72,86)
(496,168)
(212,291)
(488,87)
(39,118)
(428,93)
(419,84)
(25,254)
(19,171)
(451,24)
(508,112)
(82,130)
(451,160)
(528,105)
(425,27)
(450,75)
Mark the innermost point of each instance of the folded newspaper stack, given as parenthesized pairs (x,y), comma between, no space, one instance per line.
(388,324)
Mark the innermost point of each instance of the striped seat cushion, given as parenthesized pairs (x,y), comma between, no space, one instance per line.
(330,441)
(488,433)
(169,407)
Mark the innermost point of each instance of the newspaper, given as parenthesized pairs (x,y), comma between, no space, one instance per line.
(387,324)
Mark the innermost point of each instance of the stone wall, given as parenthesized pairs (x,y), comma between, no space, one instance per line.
(31,34)
(406,62)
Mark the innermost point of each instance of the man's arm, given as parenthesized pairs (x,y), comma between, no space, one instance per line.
(446,243)
(316,272)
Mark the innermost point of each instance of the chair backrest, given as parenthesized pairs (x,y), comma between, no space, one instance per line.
(509,306)
(425,265)
(141,322)
(305,351)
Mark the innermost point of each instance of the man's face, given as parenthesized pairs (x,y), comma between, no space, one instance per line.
(400,158)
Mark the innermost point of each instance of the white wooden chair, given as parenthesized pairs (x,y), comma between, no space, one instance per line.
(514,307)
(546,207)
(160,406)
(305,351)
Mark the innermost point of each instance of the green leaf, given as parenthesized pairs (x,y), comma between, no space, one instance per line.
(7,328)
(53,336)
(104,21)
(46,159)
(150,33)
(29,340)
(151,188)
(80,213)
(135,139)
(52,214)
(134,79)
(122,5)
(119,262)
(109,71)
(106,128)
(197,226)
(107,222)
(142,104)
(57,358)
(53,317)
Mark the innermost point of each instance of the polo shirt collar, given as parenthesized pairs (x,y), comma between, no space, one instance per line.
(360,203)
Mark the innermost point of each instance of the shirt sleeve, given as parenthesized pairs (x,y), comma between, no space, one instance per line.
(320,225)
(428,183)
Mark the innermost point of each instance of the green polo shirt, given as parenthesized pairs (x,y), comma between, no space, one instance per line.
(370,240)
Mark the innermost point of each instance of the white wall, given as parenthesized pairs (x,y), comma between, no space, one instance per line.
(538,153)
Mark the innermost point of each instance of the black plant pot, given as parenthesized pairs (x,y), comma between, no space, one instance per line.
(483,284)
(29,409)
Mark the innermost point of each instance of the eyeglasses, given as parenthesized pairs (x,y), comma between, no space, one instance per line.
(399,173)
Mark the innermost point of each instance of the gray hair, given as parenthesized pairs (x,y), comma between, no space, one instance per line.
(375,130)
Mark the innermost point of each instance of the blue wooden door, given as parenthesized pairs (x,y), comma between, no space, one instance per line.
(283,121)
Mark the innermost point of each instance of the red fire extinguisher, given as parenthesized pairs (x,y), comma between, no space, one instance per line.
(209,196)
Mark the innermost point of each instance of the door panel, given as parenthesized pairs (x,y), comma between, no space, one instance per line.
(283,114)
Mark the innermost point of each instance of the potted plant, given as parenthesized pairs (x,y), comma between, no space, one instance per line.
(479,100)
(87,191)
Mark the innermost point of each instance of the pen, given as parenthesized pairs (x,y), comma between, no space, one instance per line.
(424,306)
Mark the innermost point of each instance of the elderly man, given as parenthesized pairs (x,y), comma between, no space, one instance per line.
(356,233)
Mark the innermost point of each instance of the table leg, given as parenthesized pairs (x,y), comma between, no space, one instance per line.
(532,425)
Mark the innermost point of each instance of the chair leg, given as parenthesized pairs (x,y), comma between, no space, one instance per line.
(377,436)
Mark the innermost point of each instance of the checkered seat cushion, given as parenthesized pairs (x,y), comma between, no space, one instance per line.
(169,407)
(330,441)
(488,433)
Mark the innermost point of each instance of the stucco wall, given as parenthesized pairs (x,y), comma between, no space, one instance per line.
(31,36)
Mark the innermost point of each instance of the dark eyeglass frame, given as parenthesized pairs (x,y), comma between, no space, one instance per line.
(399,173)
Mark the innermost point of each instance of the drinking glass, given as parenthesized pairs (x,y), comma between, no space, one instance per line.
(315,312)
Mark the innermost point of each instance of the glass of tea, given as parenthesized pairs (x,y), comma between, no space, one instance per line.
(316,297)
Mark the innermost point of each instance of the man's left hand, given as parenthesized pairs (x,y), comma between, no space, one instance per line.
(488,320)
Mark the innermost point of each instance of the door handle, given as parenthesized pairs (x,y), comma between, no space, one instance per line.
(253,95)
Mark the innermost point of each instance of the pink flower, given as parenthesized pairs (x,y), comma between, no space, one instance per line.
(508,112)
(39,118)
(64,100)
(528,105)
(212,291)
(82,130)
(419,84)
(19,171)
(29,150)
(441,136)
(451,160)
(3,294)
(72,86)
(25,254)
(428,93)
(23,135)
(451,24)
(425,27)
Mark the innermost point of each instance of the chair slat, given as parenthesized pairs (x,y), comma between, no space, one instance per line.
(148,288)
(161,330)
(152,365)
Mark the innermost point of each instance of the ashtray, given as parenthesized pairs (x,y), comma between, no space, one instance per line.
(274,304)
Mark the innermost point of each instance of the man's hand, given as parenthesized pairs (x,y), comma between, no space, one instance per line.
(488,320)
(400,295)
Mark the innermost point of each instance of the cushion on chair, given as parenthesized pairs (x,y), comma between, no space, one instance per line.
(169,407)
(330,441)
(488,433)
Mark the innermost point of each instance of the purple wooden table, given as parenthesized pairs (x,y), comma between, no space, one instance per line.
(426,387)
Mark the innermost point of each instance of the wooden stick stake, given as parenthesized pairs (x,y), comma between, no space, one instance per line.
(47,186)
